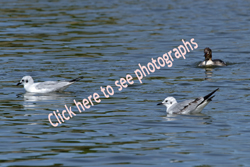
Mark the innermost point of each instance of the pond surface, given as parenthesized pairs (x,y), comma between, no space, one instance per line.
(103,41)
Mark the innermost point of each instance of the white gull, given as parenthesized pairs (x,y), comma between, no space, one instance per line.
(44,87)
(187,106)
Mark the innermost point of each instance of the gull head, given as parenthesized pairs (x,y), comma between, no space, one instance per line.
(26,80)
(168,102)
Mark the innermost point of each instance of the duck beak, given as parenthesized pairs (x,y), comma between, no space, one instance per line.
(18,83)
(159,103)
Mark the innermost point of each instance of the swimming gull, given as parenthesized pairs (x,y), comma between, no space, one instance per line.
(45,87)
(187,106)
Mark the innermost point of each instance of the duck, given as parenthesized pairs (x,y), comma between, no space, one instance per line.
(208,59)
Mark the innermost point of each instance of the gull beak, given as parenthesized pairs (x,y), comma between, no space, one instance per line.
(18,83)
(160,104)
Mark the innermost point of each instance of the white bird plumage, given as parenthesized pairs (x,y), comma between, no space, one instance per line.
(187,106)
(44,87)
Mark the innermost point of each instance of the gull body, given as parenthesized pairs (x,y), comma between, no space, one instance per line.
(208,59)
(188,106)
(44,87)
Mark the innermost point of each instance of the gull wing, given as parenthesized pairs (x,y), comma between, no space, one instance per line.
(186,106)
(53,85)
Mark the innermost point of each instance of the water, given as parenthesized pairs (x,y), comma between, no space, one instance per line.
(103,42)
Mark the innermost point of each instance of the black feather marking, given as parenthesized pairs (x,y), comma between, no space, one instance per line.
(210,99)
(197,99)
(76,79)
(210,94)
(207,96)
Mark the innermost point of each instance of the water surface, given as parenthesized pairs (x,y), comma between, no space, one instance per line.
(104,41)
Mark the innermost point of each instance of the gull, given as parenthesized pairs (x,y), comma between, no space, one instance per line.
(188,106)
(44,87)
